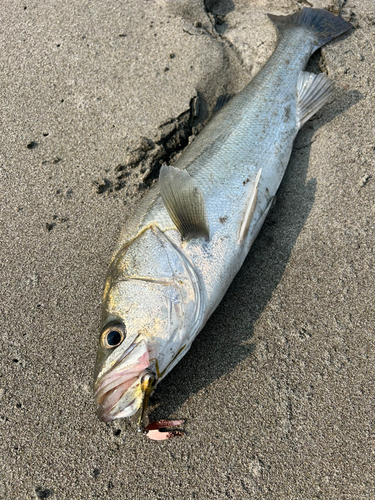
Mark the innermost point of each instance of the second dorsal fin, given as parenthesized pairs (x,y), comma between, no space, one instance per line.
(184,201)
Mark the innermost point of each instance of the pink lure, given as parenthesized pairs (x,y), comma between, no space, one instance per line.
(157,430)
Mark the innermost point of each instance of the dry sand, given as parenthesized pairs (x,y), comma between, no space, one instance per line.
(278,390)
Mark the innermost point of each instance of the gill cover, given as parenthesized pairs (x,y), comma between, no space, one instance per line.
(155,292)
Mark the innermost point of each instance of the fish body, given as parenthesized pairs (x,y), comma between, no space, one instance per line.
(190,234)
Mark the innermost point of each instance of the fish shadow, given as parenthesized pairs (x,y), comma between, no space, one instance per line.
(225,341)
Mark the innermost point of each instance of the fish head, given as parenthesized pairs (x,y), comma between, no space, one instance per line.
(151,310)
(120,365)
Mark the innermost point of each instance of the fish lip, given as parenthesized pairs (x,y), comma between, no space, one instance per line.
(99,381)
(106,386)
(99,398)
(105,411)
(106,416)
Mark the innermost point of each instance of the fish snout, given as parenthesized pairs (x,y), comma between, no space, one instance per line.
(118,392)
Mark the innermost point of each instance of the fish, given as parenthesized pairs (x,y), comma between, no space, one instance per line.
(190,234)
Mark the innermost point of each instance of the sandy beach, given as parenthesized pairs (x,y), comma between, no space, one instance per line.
(278,390)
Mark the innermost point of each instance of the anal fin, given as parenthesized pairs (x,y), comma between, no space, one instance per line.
(184,202)
(250,208)
(313,91)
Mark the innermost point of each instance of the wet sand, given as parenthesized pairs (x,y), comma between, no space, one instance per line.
(278,389)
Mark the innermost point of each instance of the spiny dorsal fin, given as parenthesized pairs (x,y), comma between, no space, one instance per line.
(184,202)
(222,101)
(313,91)
(250,207)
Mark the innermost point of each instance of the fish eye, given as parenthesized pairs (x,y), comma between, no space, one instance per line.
(112,336)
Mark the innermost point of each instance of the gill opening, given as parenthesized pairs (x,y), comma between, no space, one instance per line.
(156,364)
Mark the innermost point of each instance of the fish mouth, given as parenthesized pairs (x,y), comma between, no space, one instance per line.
(118,392)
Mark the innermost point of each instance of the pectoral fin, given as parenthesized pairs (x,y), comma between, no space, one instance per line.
(184,201)
(313,91)
(250,207)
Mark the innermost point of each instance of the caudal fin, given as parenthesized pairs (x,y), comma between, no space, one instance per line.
(323,25)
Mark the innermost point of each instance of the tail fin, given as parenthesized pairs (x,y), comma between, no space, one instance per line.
(323,25)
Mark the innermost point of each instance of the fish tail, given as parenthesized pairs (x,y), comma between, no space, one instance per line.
(322,25)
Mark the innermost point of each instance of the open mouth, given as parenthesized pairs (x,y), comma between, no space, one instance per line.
(118,393)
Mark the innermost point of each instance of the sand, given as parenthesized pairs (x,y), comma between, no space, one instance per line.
(278,389)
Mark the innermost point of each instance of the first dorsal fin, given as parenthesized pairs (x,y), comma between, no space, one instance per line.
(184,202)
(222,101)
